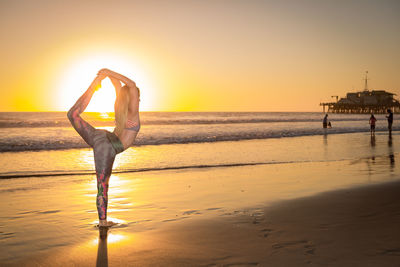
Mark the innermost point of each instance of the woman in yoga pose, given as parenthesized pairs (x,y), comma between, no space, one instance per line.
(106,145)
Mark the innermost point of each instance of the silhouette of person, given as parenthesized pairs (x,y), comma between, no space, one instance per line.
(372,121)
(325,121)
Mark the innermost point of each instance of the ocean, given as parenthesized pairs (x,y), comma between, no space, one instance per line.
(45,144)
(32,131)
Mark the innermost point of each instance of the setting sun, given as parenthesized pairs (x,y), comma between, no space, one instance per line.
(78,75)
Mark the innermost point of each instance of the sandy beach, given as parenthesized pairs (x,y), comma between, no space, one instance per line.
(348,227)
(339,211)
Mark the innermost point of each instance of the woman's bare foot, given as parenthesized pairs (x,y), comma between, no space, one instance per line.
(96,84)
(105,223)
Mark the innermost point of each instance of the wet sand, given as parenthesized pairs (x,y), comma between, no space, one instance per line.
(357,225)
(350,227)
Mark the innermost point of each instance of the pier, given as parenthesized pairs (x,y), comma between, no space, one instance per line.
(364,102)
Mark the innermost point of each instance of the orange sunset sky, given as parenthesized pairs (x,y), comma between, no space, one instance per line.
(205,55)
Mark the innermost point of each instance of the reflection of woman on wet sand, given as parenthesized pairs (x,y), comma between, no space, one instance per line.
(106,145)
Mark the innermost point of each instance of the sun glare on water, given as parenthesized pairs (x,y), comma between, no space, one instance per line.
(77,77)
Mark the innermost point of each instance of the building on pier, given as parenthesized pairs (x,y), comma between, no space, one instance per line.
(365,102)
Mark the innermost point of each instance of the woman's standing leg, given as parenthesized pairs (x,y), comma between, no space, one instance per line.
(104,155)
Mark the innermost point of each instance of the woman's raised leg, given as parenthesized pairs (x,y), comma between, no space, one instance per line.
(85,130)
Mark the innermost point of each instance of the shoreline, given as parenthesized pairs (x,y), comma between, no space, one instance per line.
(318,148)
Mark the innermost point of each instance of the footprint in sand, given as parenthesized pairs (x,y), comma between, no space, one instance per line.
(308,246)
(189,212)
(266,232)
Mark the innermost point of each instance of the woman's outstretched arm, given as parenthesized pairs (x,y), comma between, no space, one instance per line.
(122,78)
(116,83)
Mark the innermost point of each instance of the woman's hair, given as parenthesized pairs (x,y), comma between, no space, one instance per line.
(121,109)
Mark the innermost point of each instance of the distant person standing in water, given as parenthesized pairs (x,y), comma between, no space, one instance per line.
(325,121)
(106,145)
(390,120)
(372,121)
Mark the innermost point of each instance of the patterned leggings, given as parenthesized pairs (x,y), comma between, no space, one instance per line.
(104,155)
